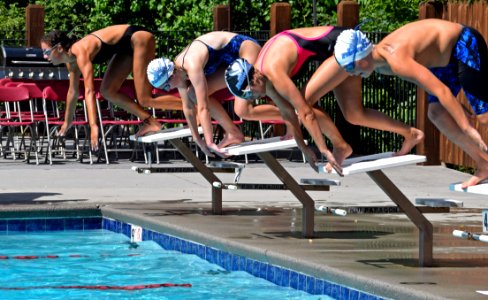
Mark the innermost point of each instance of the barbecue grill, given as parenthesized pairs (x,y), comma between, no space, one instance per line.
(29,63)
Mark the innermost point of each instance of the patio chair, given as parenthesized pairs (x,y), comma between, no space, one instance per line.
(54,95)
(19,116)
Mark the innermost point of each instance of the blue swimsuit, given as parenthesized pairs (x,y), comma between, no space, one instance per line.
(467,69)
(224,56)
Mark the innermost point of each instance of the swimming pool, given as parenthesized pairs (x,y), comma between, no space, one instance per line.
(221,274)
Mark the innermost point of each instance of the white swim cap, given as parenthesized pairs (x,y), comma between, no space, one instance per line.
(351,46)
(159,71)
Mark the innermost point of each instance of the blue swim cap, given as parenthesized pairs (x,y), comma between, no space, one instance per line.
(238,76)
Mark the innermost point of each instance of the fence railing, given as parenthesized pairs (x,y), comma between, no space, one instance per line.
(13,39)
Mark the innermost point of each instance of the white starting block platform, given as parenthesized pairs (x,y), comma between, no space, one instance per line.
(481,188)
(375,162)
(258,146)
(165,135)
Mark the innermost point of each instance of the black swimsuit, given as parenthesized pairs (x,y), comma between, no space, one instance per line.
(123,46)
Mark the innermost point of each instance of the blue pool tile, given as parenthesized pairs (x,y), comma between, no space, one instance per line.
(263,269)
(185,247)
(270,273)
(16,225)
(146,235)
(193,248)
(171,243)
(319,287)
(353,294)
(92,223)
(224,260)
(278,275)
(126,229)
(302,282)
(119,226)
(35,225)
(365,296)
(165,241)
(111,225)
(255,268)
(104,224)
(177,244)
(65,224)
(294,280)
(201,251)
(285,277)
(211,255)
(242,263)
(249,265)
(310,285)
(56,224)
(335,291)
(220,258)
(3,225)
(234,262)
(327,288)
(344,292)
(156,237)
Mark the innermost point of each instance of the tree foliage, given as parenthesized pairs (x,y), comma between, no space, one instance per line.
(189,18)
(12,22)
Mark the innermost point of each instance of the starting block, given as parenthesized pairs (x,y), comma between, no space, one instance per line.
(165,135)
(373,165)
(481,188)
(375,162)
(160,136)
(264,145)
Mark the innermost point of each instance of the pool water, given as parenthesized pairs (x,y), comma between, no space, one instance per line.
(101,264)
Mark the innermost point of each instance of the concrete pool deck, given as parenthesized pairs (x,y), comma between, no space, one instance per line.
(374,252)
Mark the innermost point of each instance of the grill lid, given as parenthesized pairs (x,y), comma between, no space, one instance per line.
(22,57)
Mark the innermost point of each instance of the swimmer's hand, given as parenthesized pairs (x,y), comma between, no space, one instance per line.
(332,163)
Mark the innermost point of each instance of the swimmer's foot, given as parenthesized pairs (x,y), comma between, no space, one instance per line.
(415,137)
(341,152)
(286,137)
(479,176)
(151,125)
(231,139)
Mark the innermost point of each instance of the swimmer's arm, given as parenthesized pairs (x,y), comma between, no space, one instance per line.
(289,116)
(199,82)
(412,71)
(85,66)
(190,114)
(285,87)
(73,91)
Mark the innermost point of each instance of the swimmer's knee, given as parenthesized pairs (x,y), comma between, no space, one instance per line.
(242,112)
(144,100)
(353,116)
(434,111)
(483,119)
(107,93)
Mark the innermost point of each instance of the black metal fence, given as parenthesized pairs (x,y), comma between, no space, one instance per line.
(12,38)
